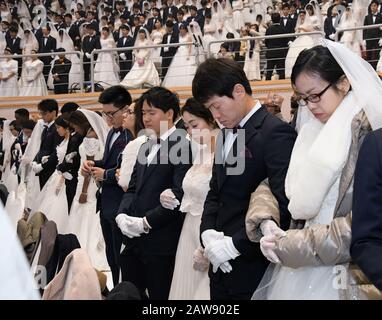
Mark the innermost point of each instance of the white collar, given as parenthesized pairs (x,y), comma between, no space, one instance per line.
(49,124)
(250,114)
(169,132)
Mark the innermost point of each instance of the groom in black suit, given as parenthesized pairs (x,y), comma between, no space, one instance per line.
(168,53)
(114,101)
(46,160)
(153,231)
(256,146)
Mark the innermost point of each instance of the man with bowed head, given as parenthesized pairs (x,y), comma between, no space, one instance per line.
(115,101)
(262,144)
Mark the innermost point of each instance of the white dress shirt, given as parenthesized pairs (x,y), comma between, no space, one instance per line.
(114,138)
(157,146)
(231,137)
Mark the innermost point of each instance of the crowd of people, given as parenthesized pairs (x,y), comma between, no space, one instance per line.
(219,199)
(71,31)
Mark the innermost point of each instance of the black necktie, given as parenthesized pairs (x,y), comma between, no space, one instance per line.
(116,130)
(44,133)
(234,129)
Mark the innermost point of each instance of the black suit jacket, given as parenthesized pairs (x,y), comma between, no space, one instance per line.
(74,32)
(48,148)
(151,23)
(373,34)
(128,43)
(142,197)
(51,45)
(328,27)
(366,245)
(268,146)
(166,12)
(62,69)
(73,165)
(89,45)
(172,50)
(15,47)
(112,193)
(276,43)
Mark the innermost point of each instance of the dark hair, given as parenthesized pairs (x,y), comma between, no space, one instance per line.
(183,26)
(285,5)
(24,113)
(117,95)
(68,15)
(106,29)
(69,107)
(198,110)
(225,45)
(79,119)
(162,98)
(230,35)
(138,126)
(124,26)
(15,125)
(60,50)
(218,77)
(13,29)
(317,61)
(47,27)
(48,105)
(60,121)
(142,31)
(276,17)
(169,24)
(2,122)
(29,124)
(375,2)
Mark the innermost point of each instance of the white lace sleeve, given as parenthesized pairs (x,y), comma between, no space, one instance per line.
(91,146)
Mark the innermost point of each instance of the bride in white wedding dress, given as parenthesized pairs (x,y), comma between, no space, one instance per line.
(143,71)
(304,24)
(84,219)
(183,66)
(106,70)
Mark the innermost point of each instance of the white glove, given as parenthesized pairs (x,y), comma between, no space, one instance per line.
(130,226)
(289,43)
(271,233)
(69,157)
(67,176)
(88,55)
(201,263)
(44,159)
(270,228)
(380,42)
(210,236)
(36,167)
(332,36)
(364,43)
(221,251)
(1,168)
(17,147)
(168,200)
(123,56)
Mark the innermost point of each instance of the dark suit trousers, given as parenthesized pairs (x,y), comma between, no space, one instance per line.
(150,272)
(220,292)
(113,242)
(372,53)
(279,64)
(47,67)
(86,69)
(166,61)
(124,67)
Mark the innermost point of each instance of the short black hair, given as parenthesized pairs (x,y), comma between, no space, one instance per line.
(162,98)
(2,122)
(48,105)
(218,77)
(317,61)
(276,17)
(22,112)
(15,125)
(117,95)
(285,5)
(197,109)
(169,24)
(29,124)
(60,121)
(69,107)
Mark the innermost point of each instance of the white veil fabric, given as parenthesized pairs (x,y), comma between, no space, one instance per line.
(17,282)
(66,42)
(98,124)
(217,11)
(317,19)
(3,43)
(306,23)
(147,40)
(29,43)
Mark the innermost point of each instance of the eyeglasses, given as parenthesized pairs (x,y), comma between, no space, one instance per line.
(111,115)
(130,112)
(314,98)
